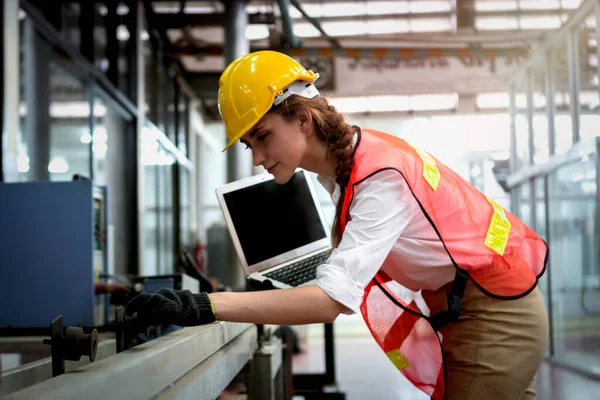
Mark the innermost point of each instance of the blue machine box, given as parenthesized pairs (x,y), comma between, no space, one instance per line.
(52,251)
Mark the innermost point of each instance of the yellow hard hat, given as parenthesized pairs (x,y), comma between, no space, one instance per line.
(249,85)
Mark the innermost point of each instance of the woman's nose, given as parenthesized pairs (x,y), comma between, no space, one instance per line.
(257,157)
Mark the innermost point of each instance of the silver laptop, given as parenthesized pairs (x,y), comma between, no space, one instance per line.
(279,231)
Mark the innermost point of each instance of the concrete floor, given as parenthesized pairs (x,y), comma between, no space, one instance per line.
(362,366)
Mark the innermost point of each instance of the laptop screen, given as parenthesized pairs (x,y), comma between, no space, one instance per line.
(271,219)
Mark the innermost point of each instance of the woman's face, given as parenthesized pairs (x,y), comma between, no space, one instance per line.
(277,145)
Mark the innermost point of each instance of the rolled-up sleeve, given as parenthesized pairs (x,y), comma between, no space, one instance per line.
(381,209)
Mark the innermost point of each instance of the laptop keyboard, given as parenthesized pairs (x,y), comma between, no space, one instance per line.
(299,272)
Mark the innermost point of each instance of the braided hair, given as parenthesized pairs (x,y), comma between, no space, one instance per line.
(332,129)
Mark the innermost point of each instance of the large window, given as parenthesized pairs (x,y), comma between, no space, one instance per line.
(55,116)
(574,264)
(69,129)
(158,219)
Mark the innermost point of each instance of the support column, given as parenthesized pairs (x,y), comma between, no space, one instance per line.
(529,83)
(597,12)
(37,98)
(236,45)
(574,82)
(514,160)
(1,96)
(9,139)
(550,80)
(140,98)
(239,162)
(465,15)
(111,22)
(512,109)
(86,29)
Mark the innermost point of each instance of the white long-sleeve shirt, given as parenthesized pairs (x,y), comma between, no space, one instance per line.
(388,230)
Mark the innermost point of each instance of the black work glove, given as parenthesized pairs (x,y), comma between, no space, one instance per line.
(167,306)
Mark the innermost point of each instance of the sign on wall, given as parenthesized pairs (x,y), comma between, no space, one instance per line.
(386,76)
(414,76)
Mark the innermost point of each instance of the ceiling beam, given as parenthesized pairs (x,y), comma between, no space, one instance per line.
(372,52)
(180,21)
(465,17)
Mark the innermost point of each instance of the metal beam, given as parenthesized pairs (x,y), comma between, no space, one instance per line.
(334,42)
(463,10)
(369,52)
(147,370)
(575,153)
(179,21)
(287,25)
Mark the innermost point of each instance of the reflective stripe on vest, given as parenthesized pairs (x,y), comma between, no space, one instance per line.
(430,171)
(499,229)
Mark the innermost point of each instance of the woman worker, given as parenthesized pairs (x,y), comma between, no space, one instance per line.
(406,228)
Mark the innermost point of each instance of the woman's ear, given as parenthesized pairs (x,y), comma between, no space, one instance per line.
(306,121)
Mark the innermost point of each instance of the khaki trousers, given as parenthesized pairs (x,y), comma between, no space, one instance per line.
(495,348)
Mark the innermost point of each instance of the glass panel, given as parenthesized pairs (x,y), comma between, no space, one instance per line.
(574,263)
(150,233)
(541,229)
(69,130)
(166,215)
(525,204)
(158,251)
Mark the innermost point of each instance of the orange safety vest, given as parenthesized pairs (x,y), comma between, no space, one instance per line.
(485,242)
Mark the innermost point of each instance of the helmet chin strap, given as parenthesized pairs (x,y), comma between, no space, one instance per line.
(300,88)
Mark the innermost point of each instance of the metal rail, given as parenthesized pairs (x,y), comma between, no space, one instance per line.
(200,360)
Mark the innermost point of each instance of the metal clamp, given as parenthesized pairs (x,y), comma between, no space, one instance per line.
(70,343)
